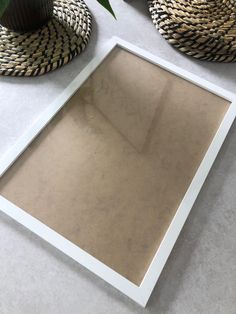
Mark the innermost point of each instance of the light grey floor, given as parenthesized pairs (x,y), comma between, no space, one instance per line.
(200,275)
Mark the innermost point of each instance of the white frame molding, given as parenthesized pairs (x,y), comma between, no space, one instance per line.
(139,294)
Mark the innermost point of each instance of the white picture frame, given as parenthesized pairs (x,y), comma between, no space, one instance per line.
(139,294)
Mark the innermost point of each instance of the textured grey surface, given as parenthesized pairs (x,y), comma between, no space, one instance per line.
(200,275)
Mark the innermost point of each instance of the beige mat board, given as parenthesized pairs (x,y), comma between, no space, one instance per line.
(110,170)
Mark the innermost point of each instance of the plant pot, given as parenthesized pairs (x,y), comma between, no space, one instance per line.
(27,15)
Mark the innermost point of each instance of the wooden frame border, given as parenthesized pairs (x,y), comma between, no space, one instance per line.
(139,294)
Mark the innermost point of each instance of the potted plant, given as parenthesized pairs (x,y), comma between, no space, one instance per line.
(27,15)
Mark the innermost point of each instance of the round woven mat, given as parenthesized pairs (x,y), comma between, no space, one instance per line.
(204,29)
(55,44)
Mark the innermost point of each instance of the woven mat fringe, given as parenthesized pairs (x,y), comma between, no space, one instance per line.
(204,29)
(52,46)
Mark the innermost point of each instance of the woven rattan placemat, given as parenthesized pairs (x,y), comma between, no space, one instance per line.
(55,44)
(204,29)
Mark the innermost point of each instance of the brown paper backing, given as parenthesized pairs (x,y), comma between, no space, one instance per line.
(110,170)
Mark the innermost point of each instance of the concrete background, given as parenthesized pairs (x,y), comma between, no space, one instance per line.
(200,275)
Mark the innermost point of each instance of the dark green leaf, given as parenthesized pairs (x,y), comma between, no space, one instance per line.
(3,6)
(106,4)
